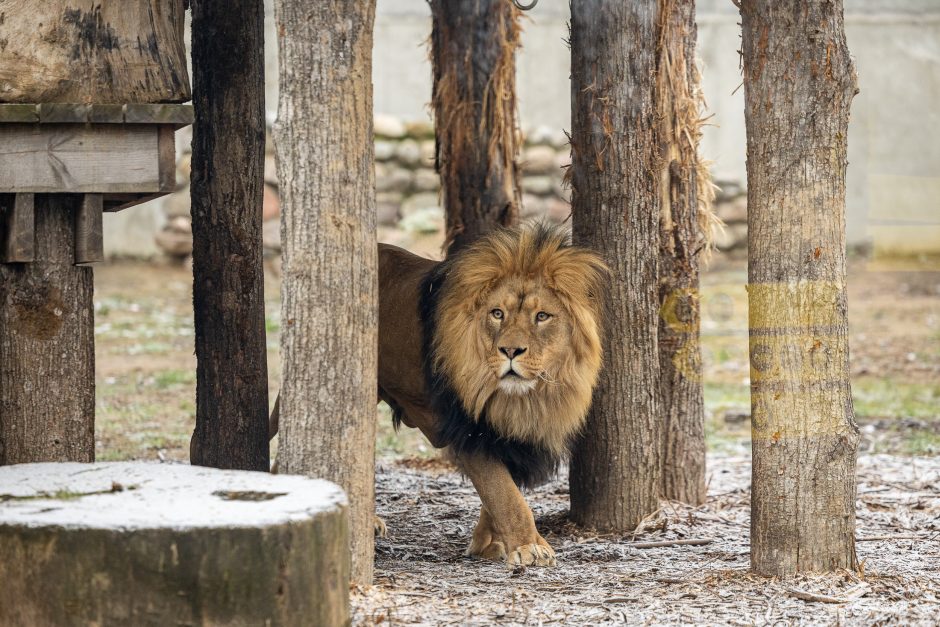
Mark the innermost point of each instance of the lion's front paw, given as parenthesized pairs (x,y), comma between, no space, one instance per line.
(532,555)
(537,553)
(380,528)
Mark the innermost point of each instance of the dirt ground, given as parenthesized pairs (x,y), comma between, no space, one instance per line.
(422,577)
(145,410)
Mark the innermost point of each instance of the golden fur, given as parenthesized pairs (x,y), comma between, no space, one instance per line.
(438,331)
(522,272)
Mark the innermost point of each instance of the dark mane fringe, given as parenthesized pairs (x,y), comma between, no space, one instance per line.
(528,464)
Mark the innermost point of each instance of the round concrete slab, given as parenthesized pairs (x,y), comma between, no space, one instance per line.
(148,543)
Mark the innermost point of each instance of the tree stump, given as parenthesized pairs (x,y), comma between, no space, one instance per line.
(161,544)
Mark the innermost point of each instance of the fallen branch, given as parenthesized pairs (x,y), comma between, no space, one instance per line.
(895,537)
(858,591)
(663,543)
(812,596)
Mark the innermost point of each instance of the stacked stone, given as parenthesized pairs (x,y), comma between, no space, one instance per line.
(407,186)
(731,207)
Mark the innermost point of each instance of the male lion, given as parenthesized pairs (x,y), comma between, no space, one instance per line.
(494,354)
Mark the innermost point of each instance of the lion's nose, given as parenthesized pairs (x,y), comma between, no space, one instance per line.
(511,351)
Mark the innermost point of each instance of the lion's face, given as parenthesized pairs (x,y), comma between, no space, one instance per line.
(525,332)
(518,334)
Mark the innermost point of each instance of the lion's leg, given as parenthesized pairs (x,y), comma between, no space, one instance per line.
(506,529)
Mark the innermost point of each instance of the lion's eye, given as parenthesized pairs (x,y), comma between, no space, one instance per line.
(542,316)
(497,313)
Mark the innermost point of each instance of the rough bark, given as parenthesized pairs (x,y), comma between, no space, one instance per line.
(96,545)
(615,151)
(686,194)
(798,86)
(106,52)
(324,143)
(47,344)
(473,47)
(228,276)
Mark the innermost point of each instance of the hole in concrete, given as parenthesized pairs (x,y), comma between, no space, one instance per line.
(247,495)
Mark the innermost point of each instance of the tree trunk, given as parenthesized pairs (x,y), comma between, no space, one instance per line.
(325,157)
(686,195)
(798,85)
(47,344)
(615,152)
(228,277)
(473,48)
(86,52)
(98,544)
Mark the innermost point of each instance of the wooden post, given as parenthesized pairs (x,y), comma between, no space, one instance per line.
(228,276)
(89,238)
(325,158)
(17,220)
(799,81)
(63,57)
(615,474)
(473,51)
(47,349)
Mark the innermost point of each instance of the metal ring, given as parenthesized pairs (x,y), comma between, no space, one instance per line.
(523,7)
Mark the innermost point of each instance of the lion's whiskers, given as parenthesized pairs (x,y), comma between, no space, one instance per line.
(544,377)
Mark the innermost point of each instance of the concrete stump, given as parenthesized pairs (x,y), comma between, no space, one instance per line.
(164,544)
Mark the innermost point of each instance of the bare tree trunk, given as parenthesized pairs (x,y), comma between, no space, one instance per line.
(47,345)
(325,156)
(616,466)
(473,48)
(686,192)
(228,277)
(798,86)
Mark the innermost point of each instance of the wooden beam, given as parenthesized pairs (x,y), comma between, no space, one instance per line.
(179,115)
(166,158)
(67,113)
(106,114)
(69,158)
(89,234)
(19,113)
(18,223)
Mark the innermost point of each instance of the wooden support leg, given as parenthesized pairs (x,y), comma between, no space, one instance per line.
(17,229)
(47,346)
(89,239)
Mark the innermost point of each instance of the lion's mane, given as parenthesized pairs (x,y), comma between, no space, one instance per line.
(531,433)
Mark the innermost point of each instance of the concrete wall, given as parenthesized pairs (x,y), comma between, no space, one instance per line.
(894,137)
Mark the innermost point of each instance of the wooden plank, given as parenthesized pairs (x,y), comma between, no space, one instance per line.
(63,113)
(106,114)
(167,158)
(89,233)
(118,202)
(17,218)
(177,114)
(79,159)
(19,113)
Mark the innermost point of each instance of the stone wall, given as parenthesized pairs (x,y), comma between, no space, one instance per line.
(407,186)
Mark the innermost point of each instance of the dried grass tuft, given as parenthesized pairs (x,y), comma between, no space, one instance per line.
(475,110)
(684,112)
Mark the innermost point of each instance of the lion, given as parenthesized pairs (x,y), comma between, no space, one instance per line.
(494,354)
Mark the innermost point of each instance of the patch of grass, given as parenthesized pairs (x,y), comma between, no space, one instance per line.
(922,442)
(888,398)
(174,378)
(407,442)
